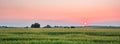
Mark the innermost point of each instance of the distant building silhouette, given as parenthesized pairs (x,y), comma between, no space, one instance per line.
(35,25)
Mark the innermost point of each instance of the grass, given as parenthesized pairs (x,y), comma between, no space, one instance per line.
(59,35)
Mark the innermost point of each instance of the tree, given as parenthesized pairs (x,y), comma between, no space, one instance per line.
(35,25)
(66,27)
(56,26)
(47,26)
(72,26)
(3,27)
(26,27)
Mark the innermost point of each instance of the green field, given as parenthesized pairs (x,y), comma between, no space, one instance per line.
(59,36)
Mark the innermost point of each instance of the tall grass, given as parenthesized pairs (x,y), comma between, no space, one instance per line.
(59,36)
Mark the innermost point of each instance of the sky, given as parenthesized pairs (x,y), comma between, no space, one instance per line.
(60,12)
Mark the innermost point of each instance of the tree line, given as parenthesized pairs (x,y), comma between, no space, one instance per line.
(37,25)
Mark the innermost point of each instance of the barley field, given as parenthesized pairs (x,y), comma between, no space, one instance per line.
(59,35)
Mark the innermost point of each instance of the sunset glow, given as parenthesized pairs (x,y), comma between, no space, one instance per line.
(56,12)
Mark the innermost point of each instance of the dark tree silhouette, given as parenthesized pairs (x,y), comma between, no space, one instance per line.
(35,25)
(47,26)
(72,26)
(3,27)
(66,27)
(56,26)
(26,27)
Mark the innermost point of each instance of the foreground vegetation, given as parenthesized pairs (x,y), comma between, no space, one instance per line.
(59,36)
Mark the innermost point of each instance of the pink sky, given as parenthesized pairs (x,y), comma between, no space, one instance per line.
(76,11)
